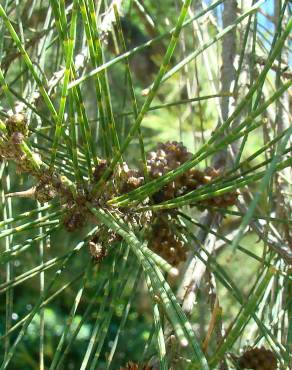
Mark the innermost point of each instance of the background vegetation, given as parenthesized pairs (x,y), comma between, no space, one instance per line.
(88,85)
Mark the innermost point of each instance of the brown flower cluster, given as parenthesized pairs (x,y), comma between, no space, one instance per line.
(121,181)
(258,359)
(163,240)
(160,227)
(10,143)
(167,157)
(170,156)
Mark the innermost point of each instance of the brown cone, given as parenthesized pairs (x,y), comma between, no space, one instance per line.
(258,359)
(165,243)
(167,157)
(171,155)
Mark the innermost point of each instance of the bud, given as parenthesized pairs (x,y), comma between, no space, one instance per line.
(17,123)
(17,138)
(97,251)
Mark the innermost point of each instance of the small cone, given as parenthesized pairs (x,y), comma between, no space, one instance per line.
(165,243)
(17,123)
(258,359)
(167,157)
(171,155)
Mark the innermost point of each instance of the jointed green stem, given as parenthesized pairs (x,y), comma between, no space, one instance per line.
(6,89)
(143,46)
(242,319)
(150,97)
(68,52)
(132,91)
(181,325)
(77,96)
(102,89)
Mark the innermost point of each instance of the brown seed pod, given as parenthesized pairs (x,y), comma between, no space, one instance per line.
(258,359)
